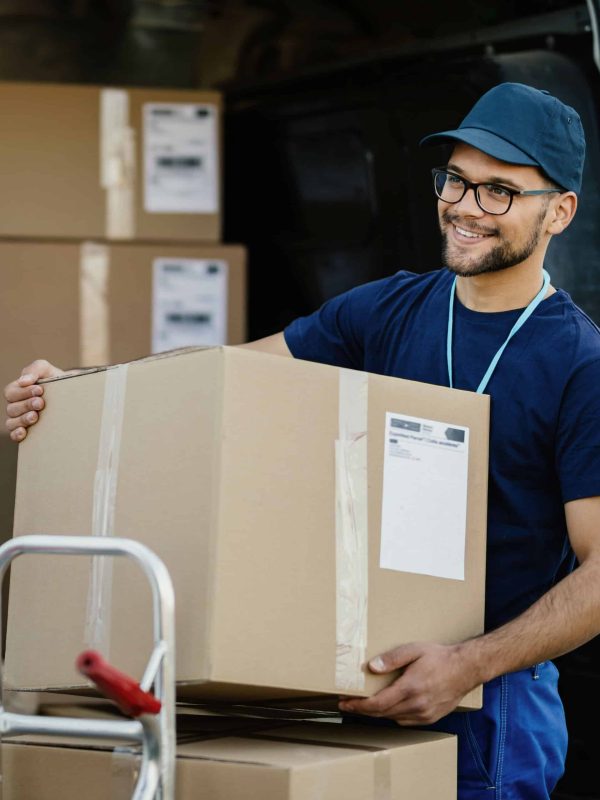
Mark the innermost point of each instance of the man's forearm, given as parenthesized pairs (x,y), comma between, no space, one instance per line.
(564,618)
(433,677)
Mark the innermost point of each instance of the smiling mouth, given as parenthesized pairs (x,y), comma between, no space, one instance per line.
(464,233)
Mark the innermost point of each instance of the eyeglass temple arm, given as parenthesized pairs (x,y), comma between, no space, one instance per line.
(540,191)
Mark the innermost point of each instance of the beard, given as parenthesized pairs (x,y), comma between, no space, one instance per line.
(503,256)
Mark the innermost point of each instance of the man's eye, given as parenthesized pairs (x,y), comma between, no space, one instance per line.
(497,191)
(453,179)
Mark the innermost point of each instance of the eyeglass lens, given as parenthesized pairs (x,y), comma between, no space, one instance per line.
(492,198)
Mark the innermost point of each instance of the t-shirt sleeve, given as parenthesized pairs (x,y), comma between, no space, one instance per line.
(578,435)
(335,334)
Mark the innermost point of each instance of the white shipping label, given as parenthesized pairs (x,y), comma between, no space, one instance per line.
(424,506)
(180,158)
(189,303)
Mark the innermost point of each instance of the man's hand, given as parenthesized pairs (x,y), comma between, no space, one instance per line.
(25,399)
(433,680)
(435,677)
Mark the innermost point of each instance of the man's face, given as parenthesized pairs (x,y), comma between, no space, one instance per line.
(475,242)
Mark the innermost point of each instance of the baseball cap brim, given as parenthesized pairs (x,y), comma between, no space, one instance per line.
(485,141)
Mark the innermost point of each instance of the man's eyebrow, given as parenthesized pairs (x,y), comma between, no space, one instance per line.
(492,178)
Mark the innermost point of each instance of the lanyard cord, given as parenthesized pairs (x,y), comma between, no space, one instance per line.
(518,324)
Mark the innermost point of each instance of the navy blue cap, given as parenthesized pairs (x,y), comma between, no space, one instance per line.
(522,125)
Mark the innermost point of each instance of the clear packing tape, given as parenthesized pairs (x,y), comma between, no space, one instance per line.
(97,627)
(94,309)
(117,163)
(352,533)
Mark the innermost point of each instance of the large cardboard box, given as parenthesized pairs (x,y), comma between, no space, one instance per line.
(298,762)
(274,489)
(83,304)
(90,162)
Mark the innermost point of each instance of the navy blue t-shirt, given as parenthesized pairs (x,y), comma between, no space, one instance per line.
(545,407)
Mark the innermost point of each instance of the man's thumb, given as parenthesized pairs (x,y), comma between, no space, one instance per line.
(378,664)
(393,659)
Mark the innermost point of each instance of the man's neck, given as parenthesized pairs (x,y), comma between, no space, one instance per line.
(501,291)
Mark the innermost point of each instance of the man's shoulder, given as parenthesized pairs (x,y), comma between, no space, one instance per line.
(579,318)
(405,282)
(579,334)
(408,278)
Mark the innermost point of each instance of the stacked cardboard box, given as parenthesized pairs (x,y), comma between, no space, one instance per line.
(90,304)
(85,162)
(240,759)
(109,236)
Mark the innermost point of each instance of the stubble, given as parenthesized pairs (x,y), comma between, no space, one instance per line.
(503,256)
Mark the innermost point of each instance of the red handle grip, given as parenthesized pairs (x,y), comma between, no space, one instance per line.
(125,691)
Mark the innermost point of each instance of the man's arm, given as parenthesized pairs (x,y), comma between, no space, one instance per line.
(435,677)
(275,345)
(25,397)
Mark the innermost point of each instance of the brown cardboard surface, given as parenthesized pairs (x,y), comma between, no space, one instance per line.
(227,472)
(50,165)
(299,762)
(40,309)
(8,478)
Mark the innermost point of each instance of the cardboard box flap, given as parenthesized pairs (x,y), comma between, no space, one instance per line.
(244,742)
(81,371)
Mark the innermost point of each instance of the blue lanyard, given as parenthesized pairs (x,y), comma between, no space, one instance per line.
(518,324)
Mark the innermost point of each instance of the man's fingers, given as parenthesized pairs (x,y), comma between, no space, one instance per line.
(24,386)
(24,421)
(25,397)
(396,659)
(18,434)
(15,393)
(21,408)
(408,708)
(38,370)
(22,414)
(378,705)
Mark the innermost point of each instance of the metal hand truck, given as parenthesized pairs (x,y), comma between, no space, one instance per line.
(154,728)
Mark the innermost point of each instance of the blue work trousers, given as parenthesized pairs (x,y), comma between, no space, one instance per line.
(514,748)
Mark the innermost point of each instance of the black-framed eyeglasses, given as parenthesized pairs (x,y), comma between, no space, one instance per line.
(492,198)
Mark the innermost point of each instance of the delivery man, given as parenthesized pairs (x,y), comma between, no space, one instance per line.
(489,321)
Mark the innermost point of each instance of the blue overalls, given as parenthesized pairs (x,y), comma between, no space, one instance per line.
(514,748)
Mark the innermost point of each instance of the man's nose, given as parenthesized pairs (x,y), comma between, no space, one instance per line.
(468,204)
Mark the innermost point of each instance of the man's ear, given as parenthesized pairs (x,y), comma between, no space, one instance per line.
(562,212)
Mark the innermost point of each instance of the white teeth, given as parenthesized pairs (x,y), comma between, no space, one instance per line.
(469,234)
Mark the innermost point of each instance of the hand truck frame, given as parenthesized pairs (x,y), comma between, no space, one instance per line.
(155,732)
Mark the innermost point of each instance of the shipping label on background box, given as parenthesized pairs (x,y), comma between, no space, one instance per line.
(180,158)
(424,506)
(189,303)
